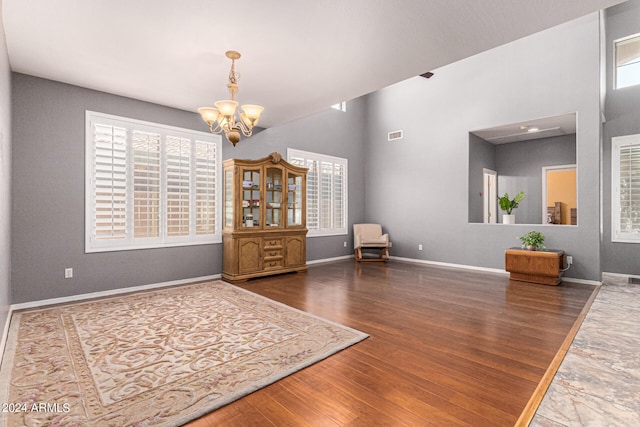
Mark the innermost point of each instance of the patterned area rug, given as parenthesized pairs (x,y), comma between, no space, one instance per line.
(161,357)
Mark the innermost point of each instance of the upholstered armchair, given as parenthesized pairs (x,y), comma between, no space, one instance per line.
(370,236)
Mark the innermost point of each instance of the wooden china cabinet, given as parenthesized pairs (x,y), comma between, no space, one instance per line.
(264,229)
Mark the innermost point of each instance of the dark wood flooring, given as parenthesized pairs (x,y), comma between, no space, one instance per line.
(447,347)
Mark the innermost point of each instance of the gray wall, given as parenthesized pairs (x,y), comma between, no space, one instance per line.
(5,179)
(622,112)
(48,197)
(48,177)
(419,186)
(519,166)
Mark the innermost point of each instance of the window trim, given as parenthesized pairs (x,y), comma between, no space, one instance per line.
(164,241)
(308,155)
(618,142)
(615,61)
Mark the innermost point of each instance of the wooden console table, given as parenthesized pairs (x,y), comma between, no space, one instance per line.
(535,266)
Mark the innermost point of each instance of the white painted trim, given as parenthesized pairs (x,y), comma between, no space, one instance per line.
(489,196)
(487,269)
(582,281)
(447,264)
(112,292)
(617,142)
(325,260)
(5,334)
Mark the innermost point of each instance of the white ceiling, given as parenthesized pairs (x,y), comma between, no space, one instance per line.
(298,56)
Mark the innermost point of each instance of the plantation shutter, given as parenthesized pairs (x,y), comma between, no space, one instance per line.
(178,185)
(312,189)
(326,191)
(146,177)
(205,188)
(630,189)
(313,211)
(326,194)
(149,185)
(338,196)
(109,184)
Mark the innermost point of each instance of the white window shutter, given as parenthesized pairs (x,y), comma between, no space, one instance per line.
(146,185)
(326,192)
(178,186)
(205,188)
(109,189)
(149,185)
(630,189)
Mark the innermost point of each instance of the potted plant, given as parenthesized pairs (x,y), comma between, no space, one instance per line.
(532,241)
(508,205)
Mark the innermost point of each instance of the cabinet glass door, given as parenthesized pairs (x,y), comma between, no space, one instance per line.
(273,196)
(294,199)
(228,198)
(250,197)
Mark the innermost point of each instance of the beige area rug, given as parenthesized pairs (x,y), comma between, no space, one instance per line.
(161,357)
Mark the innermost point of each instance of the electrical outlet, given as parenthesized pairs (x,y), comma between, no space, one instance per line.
(68,273)
(419,247)
(345,244)
(569,259)
(390,244)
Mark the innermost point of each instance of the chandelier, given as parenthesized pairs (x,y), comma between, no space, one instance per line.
(222,117)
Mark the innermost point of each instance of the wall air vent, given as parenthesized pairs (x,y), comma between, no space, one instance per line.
(634,280)
(395,135)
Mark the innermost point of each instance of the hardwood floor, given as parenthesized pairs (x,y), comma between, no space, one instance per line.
(447,347)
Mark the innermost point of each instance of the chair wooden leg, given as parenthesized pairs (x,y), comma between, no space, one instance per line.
(358,254)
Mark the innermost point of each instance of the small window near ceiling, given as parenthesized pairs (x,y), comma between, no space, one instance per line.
(627,61)
(341,106)
(625,191)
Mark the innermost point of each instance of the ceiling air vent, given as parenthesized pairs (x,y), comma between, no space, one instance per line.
(395,135)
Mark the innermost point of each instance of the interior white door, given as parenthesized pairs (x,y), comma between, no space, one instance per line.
(489,196)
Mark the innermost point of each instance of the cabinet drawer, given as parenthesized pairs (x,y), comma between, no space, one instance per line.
(271,243)
(271,252)
(272,263)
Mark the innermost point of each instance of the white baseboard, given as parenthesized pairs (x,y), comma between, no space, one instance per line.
(112,292)
(582,281)
(5,334)
(486,269)
(447,264)
(324,260)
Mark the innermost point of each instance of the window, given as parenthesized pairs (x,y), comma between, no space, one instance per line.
(326,192)
(149,185)
(340,106)
(627,52)
(625,189)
